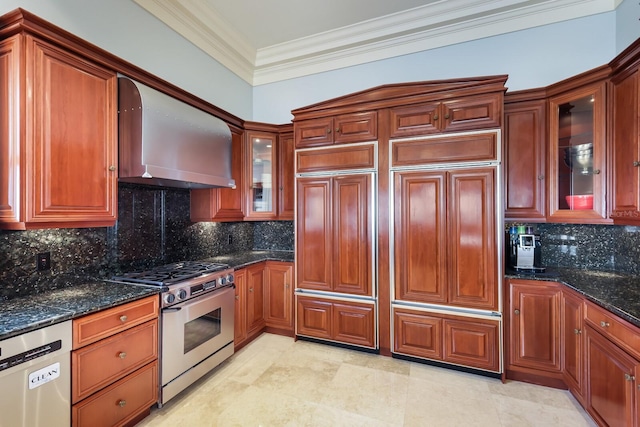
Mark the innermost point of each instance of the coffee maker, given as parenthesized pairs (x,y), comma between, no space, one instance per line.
(524,250)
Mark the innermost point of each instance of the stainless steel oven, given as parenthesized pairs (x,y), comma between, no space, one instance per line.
(197,335)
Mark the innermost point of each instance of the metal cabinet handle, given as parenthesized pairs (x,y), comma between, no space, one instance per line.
(516,311)
(123,318)
(636,163)
(112,168)
(122,403)
(604,324)
(596,172)
(540,177)
(577,331)
(628,377)
(122,355)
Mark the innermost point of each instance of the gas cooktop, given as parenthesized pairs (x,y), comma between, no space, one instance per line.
(169,274)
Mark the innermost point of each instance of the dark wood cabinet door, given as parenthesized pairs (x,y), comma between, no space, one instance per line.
(355,127)
(571,334)
(610,387)
(313,132)
(524,158)
(314,318)
(279,295)
(240,313)
(474,112)
(420,236)
(625,177)
(354,323)
(286,176)
(314,251)
(71,148)
(414,120)
(417,334)
(472,342)
(255,297)
(9,132)
(352,232)
(473,267)
(534,325)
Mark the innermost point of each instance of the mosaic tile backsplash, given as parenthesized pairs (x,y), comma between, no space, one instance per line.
(589,246)
(153,228)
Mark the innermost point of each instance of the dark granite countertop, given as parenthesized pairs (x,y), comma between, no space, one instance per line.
(616,292)
(240,260)
(28,313)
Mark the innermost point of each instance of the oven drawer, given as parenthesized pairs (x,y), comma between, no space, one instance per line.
(94,327)
(99,364)
(120,403)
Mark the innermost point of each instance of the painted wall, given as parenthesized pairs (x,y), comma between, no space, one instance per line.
(627,24)
(131,33)
(532,58)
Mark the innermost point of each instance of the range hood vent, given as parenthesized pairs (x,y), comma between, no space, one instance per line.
(166,142)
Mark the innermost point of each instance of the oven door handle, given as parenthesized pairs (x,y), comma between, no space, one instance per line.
(169,309)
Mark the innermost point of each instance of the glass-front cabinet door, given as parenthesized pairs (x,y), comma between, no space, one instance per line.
(261,175)
(577,156)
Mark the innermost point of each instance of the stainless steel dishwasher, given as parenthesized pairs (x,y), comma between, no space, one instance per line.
(35,378)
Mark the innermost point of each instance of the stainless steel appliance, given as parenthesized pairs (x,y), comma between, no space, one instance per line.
(524,252)
(197,320)
(35,378)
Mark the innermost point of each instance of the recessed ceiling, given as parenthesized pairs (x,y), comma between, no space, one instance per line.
(264,41)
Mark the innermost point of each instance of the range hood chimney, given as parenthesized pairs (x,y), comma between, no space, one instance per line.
(166,142)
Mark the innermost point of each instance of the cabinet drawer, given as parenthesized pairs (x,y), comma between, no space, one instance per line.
(334,158)
(94,327)
(101,363)
(120,403)
(617,330)
(460,148)
(417,334)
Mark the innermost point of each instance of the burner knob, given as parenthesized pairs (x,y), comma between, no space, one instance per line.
(169,298)
(222,281)
(230,278)
(182,294)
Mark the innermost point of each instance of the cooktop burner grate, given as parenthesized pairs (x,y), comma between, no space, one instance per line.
(171,273)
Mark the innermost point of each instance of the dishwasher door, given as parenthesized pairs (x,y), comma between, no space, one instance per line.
(35,378)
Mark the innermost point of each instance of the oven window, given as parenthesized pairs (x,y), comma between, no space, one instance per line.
(202,329)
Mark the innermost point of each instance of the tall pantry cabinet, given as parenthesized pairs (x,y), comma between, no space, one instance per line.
(398,220)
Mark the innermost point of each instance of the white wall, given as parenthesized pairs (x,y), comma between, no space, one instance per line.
(131,33)
(532,58)
(627,24)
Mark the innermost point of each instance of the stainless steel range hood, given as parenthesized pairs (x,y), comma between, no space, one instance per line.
(166,142)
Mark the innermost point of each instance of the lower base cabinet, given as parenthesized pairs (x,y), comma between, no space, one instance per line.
(447,338)
(346,322)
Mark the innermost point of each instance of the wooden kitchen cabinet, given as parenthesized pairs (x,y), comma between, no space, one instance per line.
(571,342)
(533,325)
(114,369)
(455,115)
(341,129)
(240,308)
(347,322)
(525,137)
(223,204)
(261,175)
(58,139)
(255,298)
(286,175)
(278,295)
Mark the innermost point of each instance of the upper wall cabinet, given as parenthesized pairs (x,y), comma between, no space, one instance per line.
(286,178)
(261,178)
(345,128)
(58,134)
(577,155)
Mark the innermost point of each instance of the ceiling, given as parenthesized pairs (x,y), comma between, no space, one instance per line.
(264,41)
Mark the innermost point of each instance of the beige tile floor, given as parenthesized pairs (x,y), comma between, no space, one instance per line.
(276,381)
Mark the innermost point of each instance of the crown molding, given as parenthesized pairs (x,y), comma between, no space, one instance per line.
(426,27)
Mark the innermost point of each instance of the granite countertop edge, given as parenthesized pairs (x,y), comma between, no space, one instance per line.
(616,292)
(88,295)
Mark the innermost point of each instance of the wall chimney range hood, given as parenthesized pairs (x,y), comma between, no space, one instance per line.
(166,142)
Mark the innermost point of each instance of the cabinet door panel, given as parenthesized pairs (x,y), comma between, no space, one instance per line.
(479,112)
(414,120)
(571,331)
(74,138)
(354,324)
(311,133)
(417,334)
(472,343)
(352,234)
(278,295)
(240,313)
(420,236)
(9,133)
(313,233)
(286,180)
(255,297)
(356,127)
(314,318)
(472,231)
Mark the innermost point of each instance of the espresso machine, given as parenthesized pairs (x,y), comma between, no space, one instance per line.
(524,249)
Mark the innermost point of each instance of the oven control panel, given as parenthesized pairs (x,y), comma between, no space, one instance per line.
(197,286)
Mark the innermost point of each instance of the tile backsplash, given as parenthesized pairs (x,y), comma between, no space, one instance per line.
(153,228)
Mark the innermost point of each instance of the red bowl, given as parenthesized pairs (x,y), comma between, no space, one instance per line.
(580,201)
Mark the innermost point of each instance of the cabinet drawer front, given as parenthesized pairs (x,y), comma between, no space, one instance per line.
(478,147)
(472,343)
(357,127)
(312,133)
(336,158)
(417,334)
(617,330)
(120,403)
(314,318)
(94,327)
(354,324)
(101,363)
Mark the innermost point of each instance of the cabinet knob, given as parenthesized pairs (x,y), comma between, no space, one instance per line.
(112,168)
(446,116)
(286,286)
(604,324)
(122,403)
(596,172)
(636,163)
(122,355)
(250,289)
(628,377)
(238,297)
(540,177)
(328,131)
(435,117)
(577,331)
(123,318)
(516,311)
(337,130)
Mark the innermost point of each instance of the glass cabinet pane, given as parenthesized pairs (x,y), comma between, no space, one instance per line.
(262,174)
(575,154)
